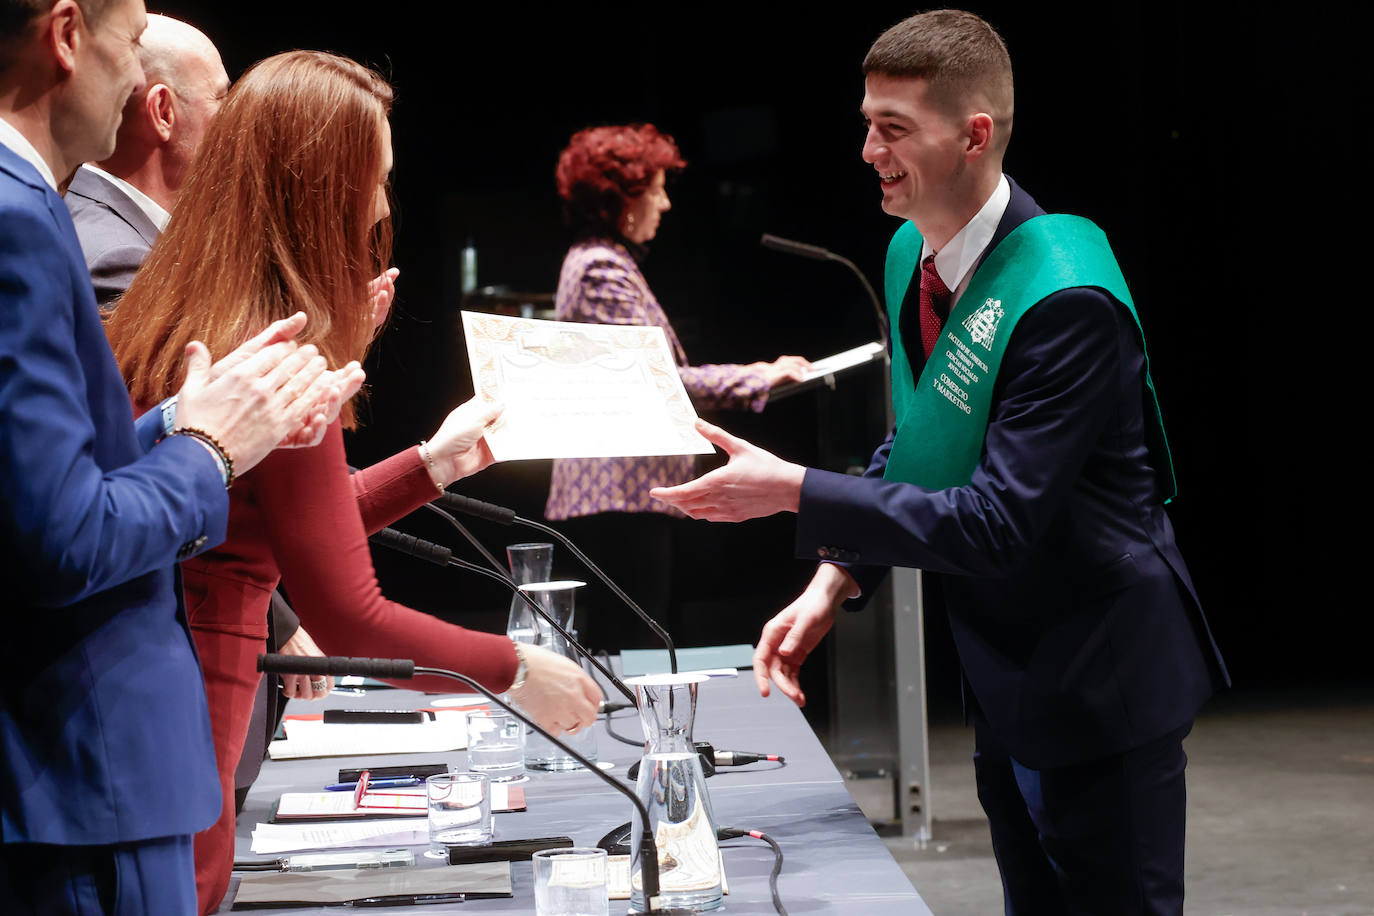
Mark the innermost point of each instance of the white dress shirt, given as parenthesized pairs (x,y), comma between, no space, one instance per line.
(20,145)
(954,263)
(151,208)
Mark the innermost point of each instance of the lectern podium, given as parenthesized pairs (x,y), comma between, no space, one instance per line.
(879,727)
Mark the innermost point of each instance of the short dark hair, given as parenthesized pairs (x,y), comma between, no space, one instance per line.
(603,168)
(957,53)
(17,18)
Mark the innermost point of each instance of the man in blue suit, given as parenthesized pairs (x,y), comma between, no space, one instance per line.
(1028,468)
(106,763)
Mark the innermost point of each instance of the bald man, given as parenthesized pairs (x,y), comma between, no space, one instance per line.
(121,205)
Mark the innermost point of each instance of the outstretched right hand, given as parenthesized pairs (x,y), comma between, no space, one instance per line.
(557,693)
(258,395)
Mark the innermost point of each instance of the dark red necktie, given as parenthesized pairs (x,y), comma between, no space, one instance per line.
(934,305)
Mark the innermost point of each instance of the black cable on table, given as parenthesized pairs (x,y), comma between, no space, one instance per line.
(728,833)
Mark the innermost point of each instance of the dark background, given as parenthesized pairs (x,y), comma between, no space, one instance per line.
(1207,143)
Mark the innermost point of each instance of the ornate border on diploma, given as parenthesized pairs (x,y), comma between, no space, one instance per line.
(488,335)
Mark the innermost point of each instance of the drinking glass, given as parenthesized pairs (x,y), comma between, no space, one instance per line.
(459,811)
(570,882)
(496,745)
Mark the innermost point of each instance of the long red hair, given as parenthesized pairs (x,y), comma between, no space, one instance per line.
(275,217)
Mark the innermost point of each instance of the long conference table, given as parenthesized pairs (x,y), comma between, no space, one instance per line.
(833,860)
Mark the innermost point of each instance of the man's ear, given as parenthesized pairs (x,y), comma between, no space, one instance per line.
(160,108)
(64,31)
(980,130)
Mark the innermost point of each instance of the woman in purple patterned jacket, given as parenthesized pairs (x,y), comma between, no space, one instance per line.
(611,180)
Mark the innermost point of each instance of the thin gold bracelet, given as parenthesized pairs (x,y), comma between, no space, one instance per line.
(429,460)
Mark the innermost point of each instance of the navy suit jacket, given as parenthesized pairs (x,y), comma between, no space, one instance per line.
(1078,628)
(104,735)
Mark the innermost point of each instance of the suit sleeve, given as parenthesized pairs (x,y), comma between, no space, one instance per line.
(1058,386)
(112,270)
(75,529)
(868,578)
(316,533)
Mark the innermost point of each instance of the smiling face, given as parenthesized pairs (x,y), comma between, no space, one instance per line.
(639,222)
(916,146)
(105,72)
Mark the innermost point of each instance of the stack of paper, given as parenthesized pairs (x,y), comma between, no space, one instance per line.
(308,736)
(271,839)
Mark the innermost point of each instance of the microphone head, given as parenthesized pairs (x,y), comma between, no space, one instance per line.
(787,246)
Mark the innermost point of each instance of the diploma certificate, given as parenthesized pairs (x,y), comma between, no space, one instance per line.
(575,390)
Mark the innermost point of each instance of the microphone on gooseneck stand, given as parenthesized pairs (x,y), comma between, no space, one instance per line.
(710,757)
(817,253)
(502,516)
(466,505)
(398,669)
(439,555)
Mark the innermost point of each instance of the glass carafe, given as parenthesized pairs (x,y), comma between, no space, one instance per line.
(528,563)
(673,787)
(558,599)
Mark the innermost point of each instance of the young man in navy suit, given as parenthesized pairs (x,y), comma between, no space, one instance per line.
(1028,468)
(106,761)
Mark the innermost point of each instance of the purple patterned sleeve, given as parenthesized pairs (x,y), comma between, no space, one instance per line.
(728,386)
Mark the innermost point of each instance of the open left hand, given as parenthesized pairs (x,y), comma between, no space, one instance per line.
(753,484)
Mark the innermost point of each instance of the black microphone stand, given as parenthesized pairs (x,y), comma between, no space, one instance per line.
(817,253)
(503,516)
(442,556)
(400,669)
(498,566)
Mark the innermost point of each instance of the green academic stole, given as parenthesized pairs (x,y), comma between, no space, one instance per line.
(942,419)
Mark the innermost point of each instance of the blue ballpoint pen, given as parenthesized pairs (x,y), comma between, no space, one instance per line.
(394,783)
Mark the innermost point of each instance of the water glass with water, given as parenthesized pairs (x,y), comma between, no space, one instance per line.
(570,882)
(496,745)
(459,811)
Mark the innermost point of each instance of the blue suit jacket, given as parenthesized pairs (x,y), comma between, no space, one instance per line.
(1078,628)
(104,735)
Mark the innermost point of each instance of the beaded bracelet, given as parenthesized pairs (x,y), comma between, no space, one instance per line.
(226,464)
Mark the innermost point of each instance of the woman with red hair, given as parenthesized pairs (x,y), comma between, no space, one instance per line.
(284,209)
(611,180)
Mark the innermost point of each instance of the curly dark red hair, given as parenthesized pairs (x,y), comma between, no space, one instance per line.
(604,168)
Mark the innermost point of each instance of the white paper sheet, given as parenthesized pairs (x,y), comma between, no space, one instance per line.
(574,390)
(270,839)
(447,731)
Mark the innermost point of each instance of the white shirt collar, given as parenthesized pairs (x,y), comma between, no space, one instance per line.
(151,208)
(954,263)
(11,137)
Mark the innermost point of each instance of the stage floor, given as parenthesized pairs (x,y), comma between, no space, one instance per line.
(1280,810)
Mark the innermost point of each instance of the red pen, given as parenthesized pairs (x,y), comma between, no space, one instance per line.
(359,792)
